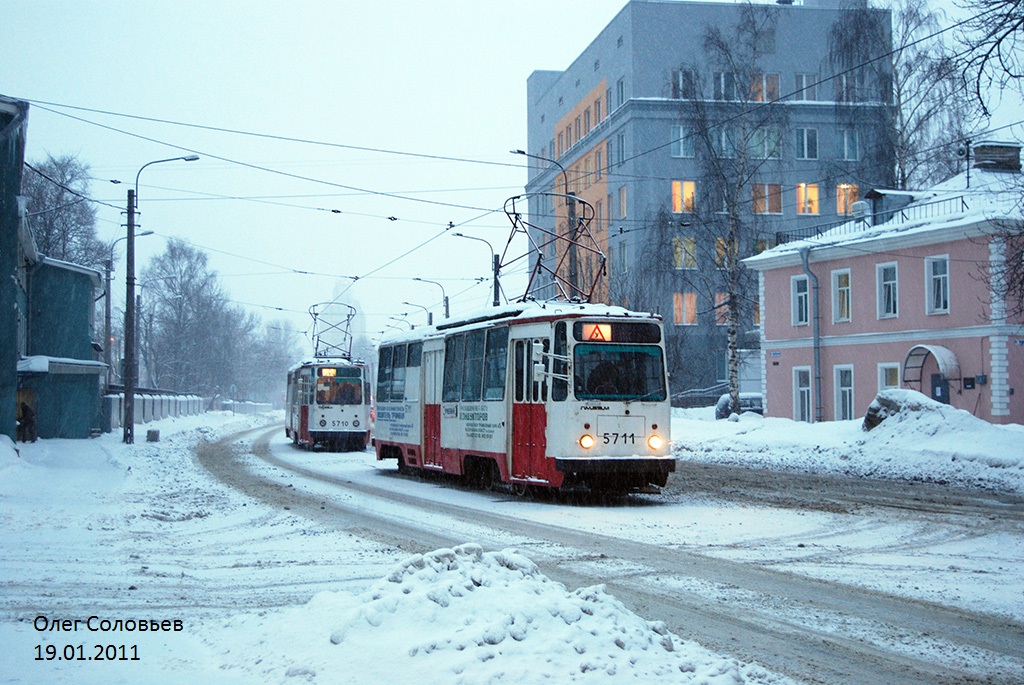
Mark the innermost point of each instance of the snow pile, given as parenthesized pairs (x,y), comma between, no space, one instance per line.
(464,616)
(920,440)
(9,457)
(937,431)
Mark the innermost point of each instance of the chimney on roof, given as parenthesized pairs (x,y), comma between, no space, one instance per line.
(997,155)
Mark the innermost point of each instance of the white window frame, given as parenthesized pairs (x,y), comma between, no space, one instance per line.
(930,281)
(687,202)
(883,367)
(682,142)
(685,317)
(803,408)
(849,145)
(882,291)
(800,302)
(806,85)
(843,395)
(837,292)
(803,137)
(804,203)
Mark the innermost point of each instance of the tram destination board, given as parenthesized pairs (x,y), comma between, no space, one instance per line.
(616,331)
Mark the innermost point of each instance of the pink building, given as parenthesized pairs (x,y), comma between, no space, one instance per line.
(907,294)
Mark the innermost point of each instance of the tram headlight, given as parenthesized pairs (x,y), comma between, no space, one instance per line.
(587,441)
(655,442)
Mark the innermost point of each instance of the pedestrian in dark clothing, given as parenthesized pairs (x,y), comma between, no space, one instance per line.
(27,424)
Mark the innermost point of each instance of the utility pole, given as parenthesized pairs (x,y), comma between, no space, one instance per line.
(570,201)
(106,326)
(129,329)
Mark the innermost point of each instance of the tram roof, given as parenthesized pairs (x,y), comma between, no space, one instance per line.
(327,361)
(520,312)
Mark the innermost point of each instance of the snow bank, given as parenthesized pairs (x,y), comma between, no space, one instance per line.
(9,457)
(464,616)
(919,440)
(939,431)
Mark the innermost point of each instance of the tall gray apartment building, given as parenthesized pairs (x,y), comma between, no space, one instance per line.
(696,134)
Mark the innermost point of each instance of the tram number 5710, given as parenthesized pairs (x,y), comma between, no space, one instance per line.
(619,438)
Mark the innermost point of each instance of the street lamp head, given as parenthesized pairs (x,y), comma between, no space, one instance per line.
(518,152)
(190,158)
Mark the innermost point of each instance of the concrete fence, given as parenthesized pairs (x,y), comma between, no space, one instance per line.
(150,408)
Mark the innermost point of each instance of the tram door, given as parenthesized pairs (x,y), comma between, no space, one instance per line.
(529,420)
(433,374)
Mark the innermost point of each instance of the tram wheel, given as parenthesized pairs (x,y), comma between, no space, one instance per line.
(489,476)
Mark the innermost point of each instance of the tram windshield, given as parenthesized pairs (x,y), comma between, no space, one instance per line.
(339,386)
(619,372)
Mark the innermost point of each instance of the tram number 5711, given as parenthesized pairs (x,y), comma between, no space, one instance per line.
(619,438)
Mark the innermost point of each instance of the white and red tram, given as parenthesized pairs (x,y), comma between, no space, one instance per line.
(551,395)
(329,404)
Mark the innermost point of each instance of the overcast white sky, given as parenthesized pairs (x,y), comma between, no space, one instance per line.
(445,78)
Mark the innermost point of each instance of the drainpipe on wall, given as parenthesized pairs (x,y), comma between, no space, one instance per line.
(805,254)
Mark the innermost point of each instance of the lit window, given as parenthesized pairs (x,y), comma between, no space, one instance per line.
(846,195)
(722,309)
(806,198)
(684,309)
(683,194)
(937,270)
(764,87)
(721,252)
(683,252)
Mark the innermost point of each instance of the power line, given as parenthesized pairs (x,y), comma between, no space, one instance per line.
(268,136)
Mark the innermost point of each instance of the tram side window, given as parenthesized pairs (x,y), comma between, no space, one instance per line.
(560,368)
(473,371)
(306,386)
(454,355)
(398,374)
(495,364)
(384,374)
(415,354)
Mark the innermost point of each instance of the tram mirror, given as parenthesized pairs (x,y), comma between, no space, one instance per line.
(538,371)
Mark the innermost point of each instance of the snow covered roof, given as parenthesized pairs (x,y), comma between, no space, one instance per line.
(965,205)
(44,364)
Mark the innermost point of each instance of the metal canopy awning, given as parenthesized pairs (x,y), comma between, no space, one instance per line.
(914,364)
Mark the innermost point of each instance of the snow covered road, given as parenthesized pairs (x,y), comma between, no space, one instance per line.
(751,592)
(769,547)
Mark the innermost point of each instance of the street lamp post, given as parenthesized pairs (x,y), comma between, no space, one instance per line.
(130,363)
(430,315)
(108,340)
(444,296)
(495,262)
